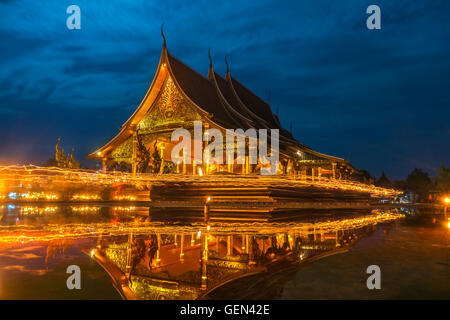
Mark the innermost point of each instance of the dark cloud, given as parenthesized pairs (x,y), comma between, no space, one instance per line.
(379,98)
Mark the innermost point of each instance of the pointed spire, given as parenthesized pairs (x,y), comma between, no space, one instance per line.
(226,62)
(210,60)
(162,35)
(210,71)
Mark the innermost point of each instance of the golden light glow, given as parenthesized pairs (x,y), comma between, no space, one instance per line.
(127,198)
(447,200)
(82,230)
(85,209)
(30,210)
(85,197)
(99,154)
(124,209)
(19,179)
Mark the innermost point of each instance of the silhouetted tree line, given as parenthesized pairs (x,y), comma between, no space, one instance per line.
(422,185)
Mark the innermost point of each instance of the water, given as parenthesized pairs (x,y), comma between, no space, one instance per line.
(124,252)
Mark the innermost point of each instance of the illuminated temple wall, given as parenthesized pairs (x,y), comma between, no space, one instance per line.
(171,110)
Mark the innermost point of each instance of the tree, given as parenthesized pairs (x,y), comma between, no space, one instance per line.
(51,162)
(419,182)
(60,157)
(443,180)
(73,163)
(61,160)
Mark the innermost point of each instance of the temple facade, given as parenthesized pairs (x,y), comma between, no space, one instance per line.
(178,96)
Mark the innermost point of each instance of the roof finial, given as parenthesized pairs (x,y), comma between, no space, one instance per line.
(162,34)
(209,55)
(226,62)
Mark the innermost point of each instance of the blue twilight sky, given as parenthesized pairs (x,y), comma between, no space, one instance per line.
(379,98)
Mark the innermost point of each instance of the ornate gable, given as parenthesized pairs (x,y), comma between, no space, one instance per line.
(170,110)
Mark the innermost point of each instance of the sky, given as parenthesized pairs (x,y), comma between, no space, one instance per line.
(379,98)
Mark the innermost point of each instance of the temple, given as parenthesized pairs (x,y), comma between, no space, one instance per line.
(178,96)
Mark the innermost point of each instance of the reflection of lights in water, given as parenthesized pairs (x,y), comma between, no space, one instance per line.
(128,198)
(124,209)
(33,196)
(83,230)
(86,197)
(85,209)
(36,210)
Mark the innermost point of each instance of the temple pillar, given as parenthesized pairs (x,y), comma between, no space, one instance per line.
(129,257)
(251,258)
(313,173)
(134,155)
(204,258)
(229,245)
(181,248)
(217,245)
(247,165)
(104,164)
(205,162)
(337,238)
(161,169)
(158,259)
(206,236)
(290,170)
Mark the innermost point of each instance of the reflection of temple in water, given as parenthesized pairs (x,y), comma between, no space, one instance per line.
(190,265)
(150,259)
